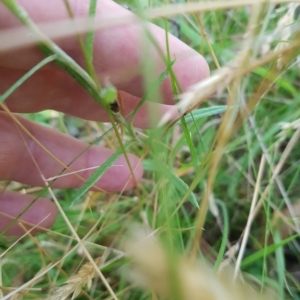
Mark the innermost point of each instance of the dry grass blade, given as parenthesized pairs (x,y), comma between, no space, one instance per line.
(251,215)
(76,282)
(222,78)
(228,126)
(195,281)
(24,130)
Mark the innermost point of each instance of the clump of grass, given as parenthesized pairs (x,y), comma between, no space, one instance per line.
(238,153)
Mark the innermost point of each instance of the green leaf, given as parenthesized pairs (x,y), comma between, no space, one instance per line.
(280,81)
(224,236)
(204,112)
(99,172)
(176,181)
(152,88)
(280,265)
(26,76)
(89,42)
(182,187)
(266,251)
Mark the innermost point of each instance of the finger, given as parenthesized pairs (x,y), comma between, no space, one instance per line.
(41,213)
(65,95)
(117,50)
(23,160)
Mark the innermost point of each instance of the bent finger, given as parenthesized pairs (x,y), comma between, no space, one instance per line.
(25,161)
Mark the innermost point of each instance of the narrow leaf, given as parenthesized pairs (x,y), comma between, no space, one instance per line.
(266,251)
(176,181)
(182,187)
(153,87)
(279,80)
(204,112)
(26,76)
(89,42)
(222,249)
(99,173)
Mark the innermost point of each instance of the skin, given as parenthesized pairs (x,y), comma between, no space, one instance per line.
(117,57)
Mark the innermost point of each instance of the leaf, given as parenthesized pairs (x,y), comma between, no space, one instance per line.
(266,251)
(153,87)
(280,81)
(204,112)
(89,43)
(26,76)
(224,235)
(99,173)
(182,187)
(177,182)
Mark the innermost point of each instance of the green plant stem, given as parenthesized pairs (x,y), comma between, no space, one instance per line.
(225,234)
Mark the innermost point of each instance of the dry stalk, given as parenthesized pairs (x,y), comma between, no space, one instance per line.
(227,127)
(30,135)
(251,216)
(76,282)
(16,296)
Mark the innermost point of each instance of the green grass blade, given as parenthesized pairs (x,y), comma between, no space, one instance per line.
(280,263)
(204,112)
(99,172)
(187,135)
(89,42)
(280,81)
(26,76)
(176,181)
(225,234)
(266,251)
(152,88)
(182,187)
(176,87)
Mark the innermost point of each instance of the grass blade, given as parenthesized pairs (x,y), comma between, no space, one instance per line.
(225,234)
(204,112)
(176,181)
(152,88)
(89,42)
(99,173)
(266,251)
(26,76)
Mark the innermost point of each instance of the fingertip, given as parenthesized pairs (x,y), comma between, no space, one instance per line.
(40,215)
(190,67)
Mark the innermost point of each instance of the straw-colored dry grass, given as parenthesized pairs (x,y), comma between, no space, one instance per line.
(76,282)
(193,281)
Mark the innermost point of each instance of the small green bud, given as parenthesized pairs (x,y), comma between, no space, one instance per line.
(109,94)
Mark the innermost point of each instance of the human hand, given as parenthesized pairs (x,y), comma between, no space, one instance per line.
(116,53)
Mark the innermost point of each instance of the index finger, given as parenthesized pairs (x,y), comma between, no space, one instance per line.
(117,50)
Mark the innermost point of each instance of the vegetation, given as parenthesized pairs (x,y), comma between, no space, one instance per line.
(221,183)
